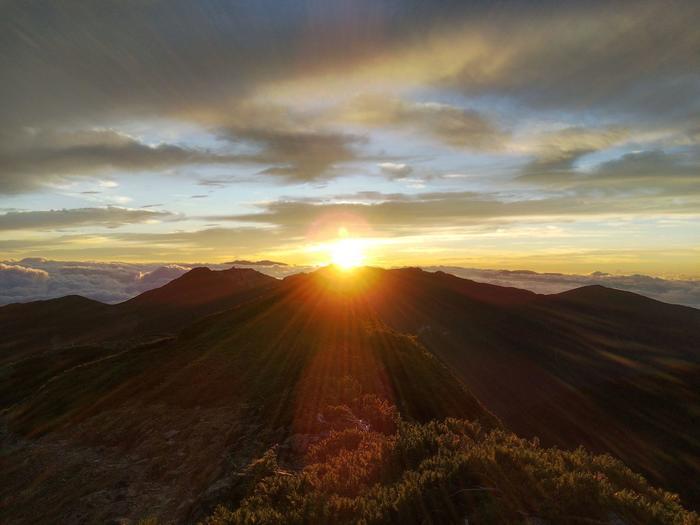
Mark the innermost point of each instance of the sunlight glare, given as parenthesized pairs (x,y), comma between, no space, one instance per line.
(347,253)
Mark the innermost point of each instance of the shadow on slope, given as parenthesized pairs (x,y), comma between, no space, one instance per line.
(265,372)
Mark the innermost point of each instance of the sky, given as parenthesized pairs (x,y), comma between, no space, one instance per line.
(548,136)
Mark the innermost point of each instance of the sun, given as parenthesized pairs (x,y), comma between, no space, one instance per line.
(347,253)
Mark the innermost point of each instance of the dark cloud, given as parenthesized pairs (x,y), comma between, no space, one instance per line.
(396,169)
(655,164)
(109,217)
(74,61)
(557,152)
(176,57)
(298,155)
(458,127)
(33,159)
(654,172)
(79,65)
(634,57)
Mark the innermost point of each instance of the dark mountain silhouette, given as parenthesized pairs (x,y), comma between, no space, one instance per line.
(44,337)
(170,427)
(202,286)
(50,323)
(72,320)
(611,370)
(197,293)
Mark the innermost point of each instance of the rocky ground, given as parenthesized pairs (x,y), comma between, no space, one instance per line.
(122,466)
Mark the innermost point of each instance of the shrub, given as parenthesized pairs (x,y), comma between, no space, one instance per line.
(444,472)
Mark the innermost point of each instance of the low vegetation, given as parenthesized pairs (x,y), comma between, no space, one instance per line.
(382,469)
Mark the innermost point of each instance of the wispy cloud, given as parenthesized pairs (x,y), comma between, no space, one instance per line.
(108,217)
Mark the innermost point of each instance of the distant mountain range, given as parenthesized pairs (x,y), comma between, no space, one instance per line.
(154,406)
(263,262)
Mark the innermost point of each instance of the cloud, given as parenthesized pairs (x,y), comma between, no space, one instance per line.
(37,278)
(34,159)
(16,280)
(136,63)
(633,59)
(655,164)
(556,152)
(217,241)
(159,277)
(300,92)
(458,127)
(395,169)
(213,242)
(293,144)
(298,155)
(637,59)
(283,145)
(406,213)
(653,171)
(19,283)
(137,59)
(109,217)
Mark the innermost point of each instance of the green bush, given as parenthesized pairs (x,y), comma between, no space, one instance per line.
(444,472)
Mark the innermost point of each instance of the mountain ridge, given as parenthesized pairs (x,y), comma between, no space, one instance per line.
(285,361)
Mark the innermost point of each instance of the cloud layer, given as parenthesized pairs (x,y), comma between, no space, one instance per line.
(37,279)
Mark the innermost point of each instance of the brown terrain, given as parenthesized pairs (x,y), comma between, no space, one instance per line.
(153,407)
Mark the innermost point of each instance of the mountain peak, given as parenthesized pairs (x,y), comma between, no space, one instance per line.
(203,285)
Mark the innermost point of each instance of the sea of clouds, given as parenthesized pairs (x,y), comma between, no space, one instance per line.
(36,278)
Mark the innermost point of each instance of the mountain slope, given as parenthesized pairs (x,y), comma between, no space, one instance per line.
(47,324)
(283,369)
(611,370)
(45,338)
(173,427)
(68,321)
(202,286)
(197,293)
